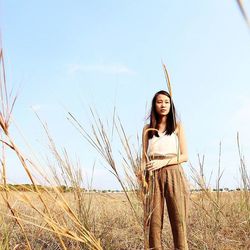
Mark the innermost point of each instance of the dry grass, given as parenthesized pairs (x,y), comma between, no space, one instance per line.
(47,202)
(117,228)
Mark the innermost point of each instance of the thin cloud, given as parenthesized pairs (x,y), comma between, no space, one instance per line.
(113,69)
(36,107)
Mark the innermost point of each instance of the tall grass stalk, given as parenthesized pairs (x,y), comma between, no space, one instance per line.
(81,233)
(5,115)
(101,142)
(245,179)
(71,178)
(133,186)
(243,12)
(208,202)
(56,227)
(215,207)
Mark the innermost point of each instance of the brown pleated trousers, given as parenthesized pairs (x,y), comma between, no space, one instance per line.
(169,183)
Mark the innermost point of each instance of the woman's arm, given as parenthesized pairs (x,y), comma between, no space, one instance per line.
(180,158)
(183,154)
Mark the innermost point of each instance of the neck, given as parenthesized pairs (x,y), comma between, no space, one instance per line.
(163,120)
(162,123)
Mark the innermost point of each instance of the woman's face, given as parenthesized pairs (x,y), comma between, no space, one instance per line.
(162,105)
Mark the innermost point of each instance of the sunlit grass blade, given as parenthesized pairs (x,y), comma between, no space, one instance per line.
(167,79)
(243,12)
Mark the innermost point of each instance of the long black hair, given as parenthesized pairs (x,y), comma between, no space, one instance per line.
(154,117)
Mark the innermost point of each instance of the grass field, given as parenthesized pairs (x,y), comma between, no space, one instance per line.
(112,222)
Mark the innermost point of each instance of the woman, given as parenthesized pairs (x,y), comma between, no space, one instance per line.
(164,149)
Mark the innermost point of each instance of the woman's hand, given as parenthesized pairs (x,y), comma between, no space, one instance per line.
(156,164)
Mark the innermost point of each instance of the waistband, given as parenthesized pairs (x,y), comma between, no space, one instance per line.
(160,157)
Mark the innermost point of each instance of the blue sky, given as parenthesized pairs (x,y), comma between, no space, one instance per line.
(69,55)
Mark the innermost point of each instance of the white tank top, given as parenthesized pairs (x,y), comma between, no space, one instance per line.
(164,145)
